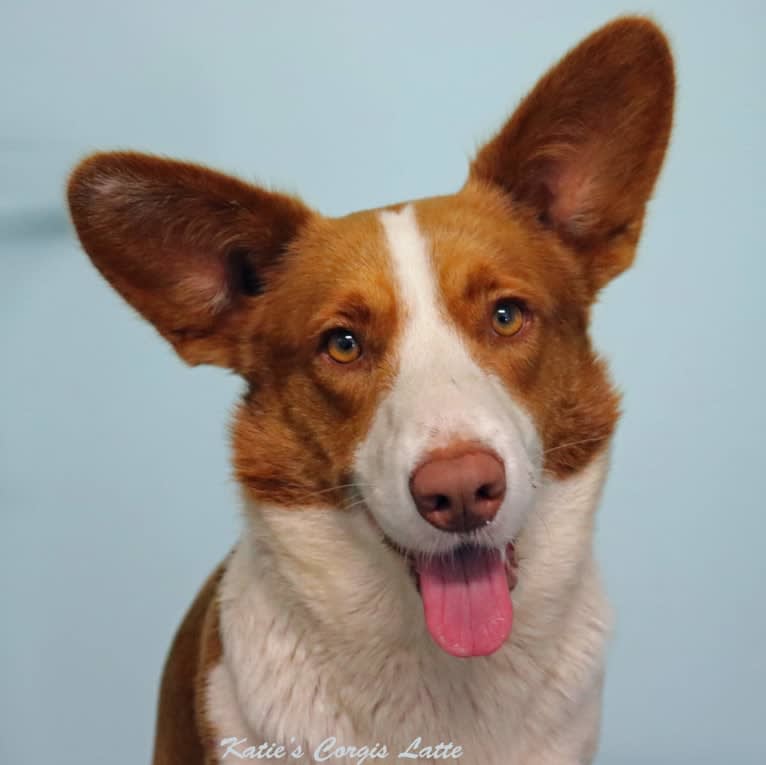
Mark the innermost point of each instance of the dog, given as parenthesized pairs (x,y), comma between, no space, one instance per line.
(423,437)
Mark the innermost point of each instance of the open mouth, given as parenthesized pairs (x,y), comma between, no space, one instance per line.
(466,597)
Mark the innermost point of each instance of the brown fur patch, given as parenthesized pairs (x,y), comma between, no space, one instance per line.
(245,278)
(183,733)
(485,250)
(296,430)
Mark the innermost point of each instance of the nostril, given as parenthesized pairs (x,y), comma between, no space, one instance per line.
(432,503)
(489,491)
(484,492)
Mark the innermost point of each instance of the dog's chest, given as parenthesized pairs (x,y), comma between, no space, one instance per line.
(281,684)
(398,706)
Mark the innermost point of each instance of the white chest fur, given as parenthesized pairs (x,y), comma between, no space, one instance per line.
(323,636)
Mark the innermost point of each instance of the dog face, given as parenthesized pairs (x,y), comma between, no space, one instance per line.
(427,362)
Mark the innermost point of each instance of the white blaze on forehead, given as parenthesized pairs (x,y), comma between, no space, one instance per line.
(413,267)
(440,394)
(432,353)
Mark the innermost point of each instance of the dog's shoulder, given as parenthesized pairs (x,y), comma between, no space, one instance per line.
(183,734)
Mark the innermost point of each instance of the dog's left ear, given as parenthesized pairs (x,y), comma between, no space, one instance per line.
(584,148)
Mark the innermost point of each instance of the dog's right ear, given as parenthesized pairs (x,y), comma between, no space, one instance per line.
(187,247)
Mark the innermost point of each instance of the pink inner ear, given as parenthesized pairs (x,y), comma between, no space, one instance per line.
(205,287)
(573,190)
(192,280)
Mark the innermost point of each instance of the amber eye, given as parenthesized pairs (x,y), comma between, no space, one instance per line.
(508,317)
(342,346)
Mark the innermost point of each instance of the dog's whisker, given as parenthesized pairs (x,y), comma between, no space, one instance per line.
(308,495)
(575,443)
(352,505)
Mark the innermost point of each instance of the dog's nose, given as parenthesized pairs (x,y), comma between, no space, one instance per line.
(459,490)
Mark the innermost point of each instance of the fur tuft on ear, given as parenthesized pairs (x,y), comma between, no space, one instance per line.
(187,247)
(584,148)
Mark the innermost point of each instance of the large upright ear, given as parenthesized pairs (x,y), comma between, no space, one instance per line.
(584,148)
(188,248)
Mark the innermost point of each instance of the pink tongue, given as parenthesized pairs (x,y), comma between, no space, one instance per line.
(466,601)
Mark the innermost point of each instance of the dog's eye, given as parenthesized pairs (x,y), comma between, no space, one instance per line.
(508,317)
(342,346)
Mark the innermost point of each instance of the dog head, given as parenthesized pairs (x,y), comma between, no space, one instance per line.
(426,362)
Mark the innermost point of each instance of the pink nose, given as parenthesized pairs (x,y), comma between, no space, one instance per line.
(460,488)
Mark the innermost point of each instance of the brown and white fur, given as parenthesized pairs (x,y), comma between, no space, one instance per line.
(313,627)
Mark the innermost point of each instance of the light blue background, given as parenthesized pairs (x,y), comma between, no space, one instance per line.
(114,485)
